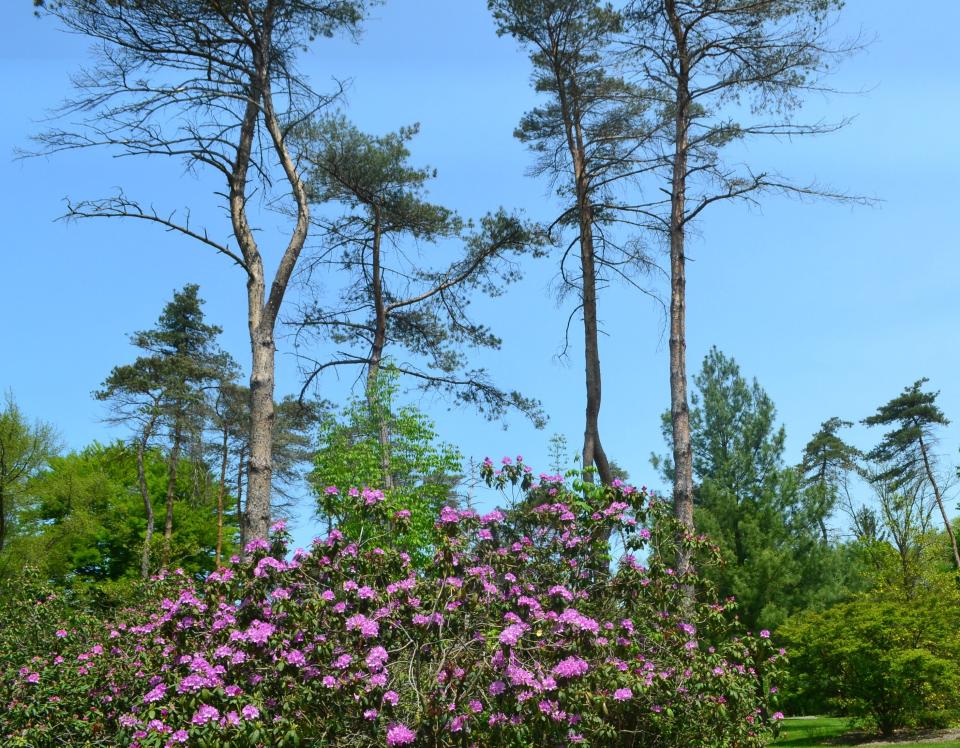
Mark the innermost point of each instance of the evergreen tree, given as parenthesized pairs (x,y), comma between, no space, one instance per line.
(398,301)
(906,451)
(585,136)
(165,389)
(718,72)
(826,465)
(750,503)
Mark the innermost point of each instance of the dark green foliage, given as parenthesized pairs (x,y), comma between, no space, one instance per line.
(181,360)
(400,292)
(753,505)
(587,133)
(826,465)
(905,454)
(913,416)
(570,44)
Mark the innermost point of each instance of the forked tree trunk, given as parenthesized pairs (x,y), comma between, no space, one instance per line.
(263,307)
(679,405)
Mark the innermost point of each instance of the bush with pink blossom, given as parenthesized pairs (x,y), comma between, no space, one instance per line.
(520,633)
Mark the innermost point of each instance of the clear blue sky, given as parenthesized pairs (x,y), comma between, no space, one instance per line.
(834,309)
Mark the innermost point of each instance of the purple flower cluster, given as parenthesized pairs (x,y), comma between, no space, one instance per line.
(508,633)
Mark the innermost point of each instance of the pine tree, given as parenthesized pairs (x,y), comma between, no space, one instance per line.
(164,390)
(906,450)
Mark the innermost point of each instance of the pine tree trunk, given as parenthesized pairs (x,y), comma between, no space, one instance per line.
(221,490)
(679,405)
(173,466)
(939,499)
(240,522)
(260,460)
(593,454)
(145,495)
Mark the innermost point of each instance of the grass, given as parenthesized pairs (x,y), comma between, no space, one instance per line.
(803,733)
(828,731)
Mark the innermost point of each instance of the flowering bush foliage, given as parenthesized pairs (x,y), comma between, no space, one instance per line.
(516,635)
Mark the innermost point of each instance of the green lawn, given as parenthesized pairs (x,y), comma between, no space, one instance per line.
(827,731)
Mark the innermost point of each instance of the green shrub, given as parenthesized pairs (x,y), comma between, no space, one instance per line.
(888,662)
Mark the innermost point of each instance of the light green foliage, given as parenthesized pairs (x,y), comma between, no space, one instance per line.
(83,519)
(423,471)
(752,505)
(890,663)
(25,449)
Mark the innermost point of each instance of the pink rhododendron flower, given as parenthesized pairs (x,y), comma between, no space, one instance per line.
(205,713)
(400,734)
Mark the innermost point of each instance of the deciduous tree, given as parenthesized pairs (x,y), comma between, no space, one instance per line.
(25,449)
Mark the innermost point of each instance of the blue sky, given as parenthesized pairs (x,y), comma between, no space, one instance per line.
(833,308)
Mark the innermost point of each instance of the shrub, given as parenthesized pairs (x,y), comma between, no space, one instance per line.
(509,638)
(888,662)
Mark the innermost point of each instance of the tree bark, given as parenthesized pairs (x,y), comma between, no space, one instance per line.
(593,453)
(679,405)
(377,408)
(260,460)
(240,522)
(221,490)
(173,466)
(145,495)
(939,499)
(263,309)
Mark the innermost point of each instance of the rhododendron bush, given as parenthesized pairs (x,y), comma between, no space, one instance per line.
(520,633)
